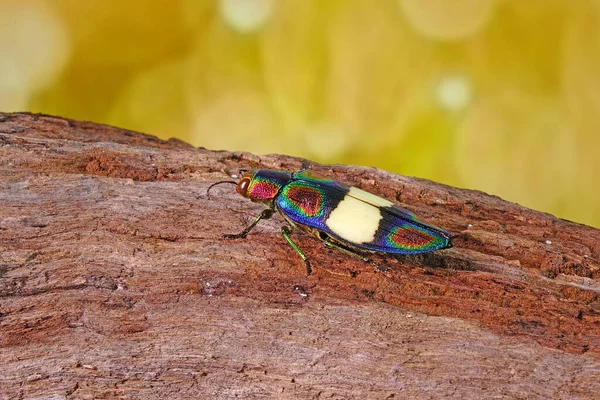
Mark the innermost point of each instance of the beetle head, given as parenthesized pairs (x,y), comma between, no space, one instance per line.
(243,185)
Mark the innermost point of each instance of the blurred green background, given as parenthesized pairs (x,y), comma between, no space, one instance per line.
(497,95)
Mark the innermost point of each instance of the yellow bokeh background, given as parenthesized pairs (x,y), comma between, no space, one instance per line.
(497,95)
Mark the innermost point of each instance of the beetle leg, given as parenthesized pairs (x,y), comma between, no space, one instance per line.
(266,214)
(354,254)
(285,231)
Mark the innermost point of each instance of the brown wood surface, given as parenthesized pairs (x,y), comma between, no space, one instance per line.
(115,282)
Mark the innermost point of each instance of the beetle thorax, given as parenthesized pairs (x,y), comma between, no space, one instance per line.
(265,184)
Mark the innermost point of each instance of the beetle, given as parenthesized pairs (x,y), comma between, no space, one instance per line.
(345,218)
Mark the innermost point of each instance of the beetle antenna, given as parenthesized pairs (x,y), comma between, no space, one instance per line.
(218,183)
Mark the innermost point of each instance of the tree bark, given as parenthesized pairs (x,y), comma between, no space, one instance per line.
(116,282)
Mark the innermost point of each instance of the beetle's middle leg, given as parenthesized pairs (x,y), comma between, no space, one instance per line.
(285,231)
(266,214)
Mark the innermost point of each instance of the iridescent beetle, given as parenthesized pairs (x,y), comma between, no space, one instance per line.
(345,218)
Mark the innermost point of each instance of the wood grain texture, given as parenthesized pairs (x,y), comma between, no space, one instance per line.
(115,282)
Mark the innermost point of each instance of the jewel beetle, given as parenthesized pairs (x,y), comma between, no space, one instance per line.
(344,218)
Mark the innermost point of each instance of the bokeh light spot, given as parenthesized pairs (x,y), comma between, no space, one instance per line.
(448,19)
(454,93)
(246,15)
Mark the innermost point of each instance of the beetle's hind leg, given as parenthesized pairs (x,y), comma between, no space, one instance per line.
(332,245)
(266,214)
(286,231)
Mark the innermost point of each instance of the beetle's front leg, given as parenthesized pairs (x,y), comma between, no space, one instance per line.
(266,214)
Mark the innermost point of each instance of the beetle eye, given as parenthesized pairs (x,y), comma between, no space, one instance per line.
(242,186)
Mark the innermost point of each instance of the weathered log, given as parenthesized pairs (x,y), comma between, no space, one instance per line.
(116,282)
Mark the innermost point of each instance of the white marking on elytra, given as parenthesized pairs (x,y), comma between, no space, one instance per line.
(356,220)
(369,197)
